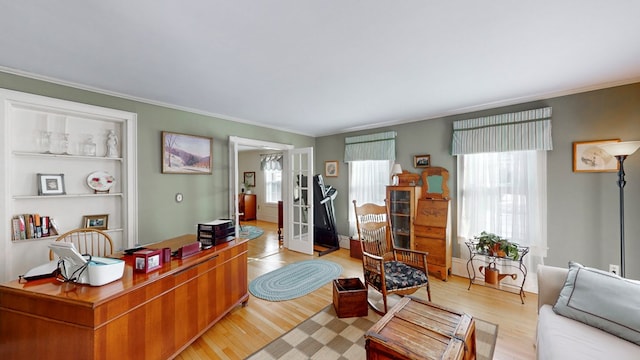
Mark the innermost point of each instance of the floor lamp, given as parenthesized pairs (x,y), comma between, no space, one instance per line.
(621,150)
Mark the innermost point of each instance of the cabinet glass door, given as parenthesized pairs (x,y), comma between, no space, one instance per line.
(400,209)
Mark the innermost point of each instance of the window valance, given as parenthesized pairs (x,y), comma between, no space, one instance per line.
(271,161)
(524,130)
(380,146)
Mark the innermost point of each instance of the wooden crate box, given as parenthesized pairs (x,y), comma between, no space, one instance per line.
(350,297)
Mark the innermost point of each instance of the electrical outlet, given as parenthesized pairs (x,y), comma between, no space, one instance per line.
(614,269)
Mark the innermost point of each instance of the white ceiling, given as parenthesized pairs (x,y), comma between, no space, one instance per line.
(320,67)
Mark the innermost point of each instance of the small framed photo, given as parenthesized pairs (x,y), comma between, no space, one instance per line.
(147,260)
(331,168)
(186,154)
(99,222)
(51,184)
(421,161)
(250,178)
(588,156)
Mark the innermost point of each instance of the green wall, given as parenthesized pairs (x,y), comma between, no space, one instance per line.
(206,197)
(583,217)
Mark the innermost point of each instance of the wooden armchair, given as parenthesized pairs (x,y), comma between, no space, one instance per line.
(88,241)
(386,269)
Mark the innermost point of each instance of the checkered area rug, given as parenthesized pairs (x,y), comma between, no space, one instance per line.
(325,336)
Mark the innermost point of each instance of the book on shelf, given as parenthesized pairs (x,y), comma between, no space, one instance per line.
(44,224)
(23,227)
(54,229)
(32,226)
(38,225)
(15,228)
(29,225)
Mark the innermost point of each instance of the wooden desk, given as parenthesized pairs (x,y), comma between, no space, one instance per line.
(141,316)
(416,329)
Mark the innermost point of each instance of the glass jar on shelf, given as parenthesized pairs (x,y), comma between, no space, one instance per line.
(89,147)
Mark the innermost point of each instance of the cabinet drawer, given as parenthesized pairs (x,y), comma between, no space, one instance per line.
(435,247)
(430,231)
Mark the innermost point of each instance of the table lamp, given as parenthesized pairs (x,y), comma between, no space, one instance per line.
(395,170)
(621,150)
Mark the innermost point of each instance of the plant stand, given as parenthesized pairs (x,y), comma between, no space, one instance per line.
(490,269)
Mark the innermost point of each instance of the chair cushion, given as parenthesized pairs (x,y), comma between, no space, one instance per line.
(398,275)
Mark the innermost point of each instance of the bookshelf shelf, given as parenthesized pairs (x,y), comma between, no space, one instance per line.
(54,237)
(63,156)
(69,196)
(47,136)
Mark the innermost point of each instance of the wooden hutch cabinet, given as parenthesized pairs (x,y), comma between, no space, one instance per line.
(402,205)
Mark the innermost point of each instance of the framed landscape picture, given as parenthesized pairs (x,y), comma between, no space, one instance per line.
(588,156)
(186,154)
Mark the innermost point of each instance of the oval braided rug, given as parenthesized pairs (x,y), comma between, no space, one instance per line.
(294,280)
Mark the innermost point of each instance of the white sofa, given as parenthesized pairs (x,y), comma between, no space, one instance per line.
(559,337)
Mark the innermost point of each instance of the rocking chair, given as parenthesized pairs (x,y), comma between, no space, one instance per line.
(387,269)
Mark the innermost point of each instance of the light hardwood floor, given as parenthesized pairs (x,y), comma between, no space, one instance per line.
(245,330)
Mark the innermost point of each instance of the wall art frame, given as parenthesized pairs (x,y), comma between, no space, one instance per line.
(98,222)
(51,184)
(589,157)
(421,161)
(186,154)
(331,168)
(249,178)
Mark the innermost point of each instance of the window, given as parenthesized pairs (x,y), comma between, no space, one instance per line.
(504,193)
(367,184)
(273,185)
(271,165)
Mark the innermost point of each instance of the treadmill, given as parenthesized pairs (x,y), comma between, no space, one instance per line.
(325,238)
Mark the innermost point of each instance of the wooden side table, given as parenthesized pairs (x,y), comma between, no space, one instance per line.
(415,329)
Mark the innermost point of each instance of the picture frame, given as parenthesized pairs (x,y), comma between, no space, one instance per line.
(250,178)
(331,168)
(147,260)
(589,157)
(421,161)
(186,154)
(98,222)
(51,184)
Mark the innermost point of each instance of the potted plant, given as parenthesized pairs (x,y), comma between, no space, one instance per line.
(494,245)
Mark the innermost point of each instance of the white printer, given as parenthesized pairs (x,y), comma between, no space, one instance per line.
(93,270)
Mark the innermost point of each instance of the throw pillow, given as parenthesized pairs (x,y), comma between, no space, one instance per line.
(602,300)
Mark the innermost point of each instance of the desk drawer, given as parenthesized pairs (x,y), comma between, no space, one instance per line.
(430,231)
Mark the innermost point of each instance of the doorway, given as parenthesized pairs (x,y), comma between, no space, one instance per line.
(237,145)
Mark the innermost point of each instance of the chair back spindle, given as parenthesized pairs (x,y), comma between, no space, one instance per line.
(88,241)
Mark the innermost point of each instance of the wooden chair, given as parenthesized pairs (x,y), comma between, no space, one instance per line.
(88,241)
(387,269)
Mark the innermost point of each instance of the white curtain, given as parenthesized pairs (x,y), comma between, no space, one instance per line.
(271,161)
(505,193)
(367,184)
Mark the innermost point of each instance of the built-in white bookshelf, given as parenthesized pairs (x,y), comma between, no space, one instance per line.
(49,136)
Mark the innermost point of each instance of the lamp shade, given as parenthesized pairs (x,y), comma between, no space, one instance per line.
(621,148)
(396,169)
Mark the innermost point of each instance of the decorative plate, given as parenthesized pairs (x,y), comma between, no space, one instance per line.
(100,181)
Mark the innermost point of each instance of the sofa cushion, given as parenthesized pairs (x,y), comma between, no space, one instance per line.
(602,300)
(559,337)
